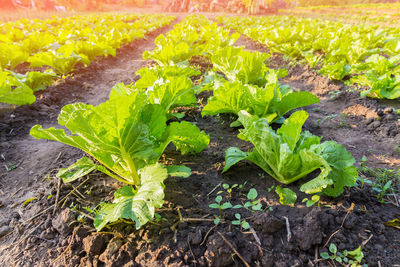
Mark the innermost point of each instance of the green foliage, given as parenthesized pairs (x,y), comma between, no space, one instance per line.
(309,202)
(290,154)
(36,80)
(61,44)
(252,87)
(13,91)
(220,205)
(195,35)
(286,196)
(241,222)
(127,135)
(240,65)
(348,258)
(364,54)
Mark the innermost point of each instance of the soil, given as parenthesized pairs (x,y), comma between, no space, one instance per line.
(35,234)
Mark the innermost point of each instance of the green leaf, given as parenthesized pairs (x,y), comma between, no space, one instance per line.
(36,80)
(187,137)
(343,172)
(12,91)
(237,216)
(113,133)
(324,255)
(80,168)
(245,225)
(286,196)
(214,206)
(218,199)
(172,92)
(150,75)
(137,205)
(294,100)
(252,194)
(226,205)
(231,97)
(333,248)
(232,156)
(290,131)
(241,65)
(179,171)
(356,254)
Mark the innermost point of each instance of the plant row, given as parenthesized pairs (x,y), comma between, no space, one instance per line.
(358,54)
(128,133)
(52,48)
(382,20)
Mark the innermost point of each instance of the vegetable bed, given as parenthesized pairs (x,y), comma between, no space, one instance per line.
(242,217)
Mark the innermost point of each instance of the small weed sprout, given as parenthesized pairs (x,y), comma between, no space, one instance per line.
(241,222)
(314,199)
(228,189)
(347,258)
(220,206)
(252,202)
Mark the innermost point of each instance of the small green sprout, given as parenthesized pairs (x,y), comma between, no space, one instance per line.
(253,203)
(242,222)
(348,258)
(220,206)
(228,189)
(309,202)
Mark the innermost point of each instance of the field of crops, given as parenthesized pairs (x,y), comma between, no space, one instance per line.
(200,140)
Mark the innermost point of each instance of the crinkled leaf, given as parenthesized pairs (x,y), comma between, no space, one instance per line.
(286,196)
(13,91)
(136,205)
(80,168)
(232,156)
(186,137)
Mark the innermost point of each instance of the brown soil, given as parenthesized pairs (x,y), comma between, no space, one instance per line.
(60,240)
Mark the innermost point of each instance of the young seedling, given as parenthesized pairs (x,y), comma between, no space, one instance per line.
(220,206)
(309,202)
(242,222)
(158,218)
(347,258)
(252,202)
(228,189)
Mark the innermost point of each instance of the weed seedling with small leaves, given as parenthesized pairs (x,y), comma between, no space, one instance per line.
(220,206)
(309,202)
(252,202)
(347,258)
(228,189)
(241,222)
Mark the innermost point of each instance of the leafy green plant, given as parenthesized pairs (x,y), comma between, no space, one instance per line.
(290,154)
(220,205)
(252,204)
(270,102)
(241,222)
(309,202)
(351,258)
(240,65)
(13,91)
(126,135)
(228,189)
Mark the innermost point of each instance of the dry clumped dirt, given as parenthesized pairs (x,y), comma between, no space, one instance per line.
(185,235)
